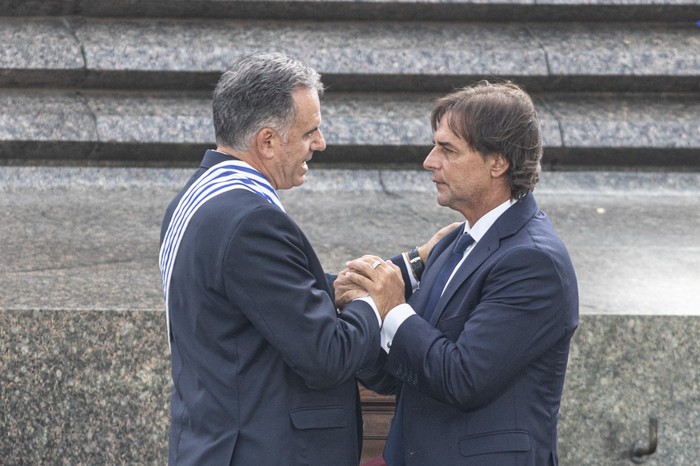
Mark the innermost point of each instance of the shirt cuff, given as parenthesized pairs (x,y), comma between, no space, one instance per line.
(370,301)
(392,321)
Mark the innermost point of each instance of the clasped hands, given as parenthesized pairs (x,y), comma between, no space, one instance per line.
(370,276)
(381,280)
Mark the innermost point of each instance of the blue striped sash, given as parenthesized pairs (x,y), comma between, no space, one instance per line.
(220,178)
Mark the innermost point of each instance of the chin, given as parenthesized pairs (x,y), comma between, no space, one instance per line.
(445,203)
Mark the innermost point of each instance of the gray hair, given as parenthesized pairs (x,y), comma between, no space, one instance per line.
(256,92)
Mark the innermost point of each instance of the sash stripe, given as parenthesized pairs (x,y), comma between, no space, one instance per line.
(219,179)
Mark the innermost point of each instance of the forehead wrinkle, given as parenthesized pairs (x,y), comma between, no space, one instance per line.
(443,137)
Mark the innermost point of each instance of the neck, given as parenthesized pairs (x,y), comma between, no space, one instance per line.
(229,151)
(249,158)
(473,215)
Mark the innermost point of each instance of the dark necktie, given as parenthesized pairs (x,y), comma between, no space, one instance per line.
(462,244)
(394,447)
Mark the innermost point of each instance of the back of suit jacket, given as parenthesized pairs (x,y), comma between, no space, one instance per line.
(481,383)
(263,367)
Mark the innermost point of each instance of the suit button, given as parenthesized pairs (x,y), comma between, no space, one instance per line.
(413,453)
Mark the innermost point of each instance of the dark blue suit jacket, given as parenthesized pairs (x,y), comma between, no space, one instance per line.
(263,367)
(481,383)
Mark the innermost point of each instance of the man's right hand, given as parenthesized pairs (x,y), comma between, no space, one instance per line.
(382,280)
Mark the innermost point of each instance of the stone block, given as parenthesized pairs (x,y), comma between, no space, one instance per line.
(92,387)
(620,49)
(667,121)
(46,44)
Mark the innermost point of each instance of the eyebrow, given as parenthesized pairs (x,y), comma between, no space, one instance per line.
(445,144)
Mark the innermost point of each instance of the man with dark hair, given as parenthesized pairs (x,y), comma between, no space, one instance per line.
(263,367)
(478,354)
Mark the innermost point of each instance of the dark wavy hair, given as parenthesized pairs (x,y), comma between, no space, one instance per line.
(497,118)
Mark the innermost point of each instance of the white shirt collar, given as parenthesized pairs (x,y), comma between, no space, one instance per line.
(484,223)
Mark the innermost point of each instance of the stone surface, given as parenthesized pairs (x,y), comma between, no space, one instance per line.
(45,116)
(173,118)
(356,48)
(88,238)
(83,387)
(45,44)
(92,387)
(621,50)
(635,121)
(388,48)
(359,122)
(622,371)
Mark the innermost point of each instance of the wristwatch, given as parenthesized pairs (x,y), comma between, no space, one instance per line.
(416,263)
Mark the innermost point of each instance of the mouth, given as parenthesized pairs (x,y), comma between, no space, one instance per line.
(305,162)
(439,185)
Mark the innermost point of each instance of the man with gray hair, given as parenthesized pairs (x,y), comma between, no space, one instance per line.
(262,364)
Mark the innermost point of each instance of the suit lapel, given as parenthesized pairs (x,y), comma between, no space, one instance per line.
(482,250)
(435,263)
(507,224)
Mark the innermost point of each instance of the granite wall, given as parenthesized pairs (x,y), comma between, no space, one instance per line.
(92,387)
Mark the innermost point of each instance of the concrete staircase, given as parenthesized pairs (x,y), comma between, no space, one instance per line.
(105,110)
(128,83)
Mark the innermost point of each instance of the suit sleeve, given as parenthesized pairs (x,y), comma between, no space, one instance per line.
(376,378)
(479,351)
(269,273)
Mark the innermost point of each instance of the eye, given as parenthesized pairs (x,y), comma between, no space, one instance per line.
(307,135)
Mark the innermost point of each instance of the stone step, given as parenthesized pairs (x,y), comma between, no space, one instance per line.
(87,238)
(396,10)
(182,54)
(609,130)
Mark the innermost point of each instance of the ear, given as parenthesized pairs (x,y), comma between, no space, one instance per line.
(499,165)
(266,142)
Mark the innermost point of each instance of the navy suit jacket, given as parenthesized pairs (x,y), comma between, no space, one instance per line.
(262,366)
(481,383)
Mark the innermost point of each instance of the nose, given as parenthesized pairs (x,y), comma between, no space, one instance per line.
(319,142)
(430,162)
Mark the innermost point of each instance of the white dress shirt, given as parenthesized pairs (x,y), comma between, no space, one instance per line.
(395,317)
